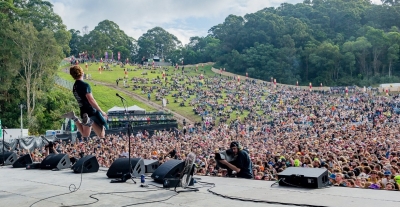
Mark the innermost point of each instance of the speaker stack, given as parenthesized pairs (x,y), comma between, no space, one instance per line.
(304,177)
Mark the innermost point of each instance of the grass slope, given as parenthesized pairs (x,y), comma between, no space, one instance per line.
(107,96)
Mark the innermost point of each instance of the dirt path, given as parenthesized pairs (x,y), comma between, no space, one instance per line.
(152,104)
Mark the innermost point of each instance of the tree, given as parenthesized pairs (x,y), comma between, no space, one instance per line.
(107,36)
(159,42)
(39,55)
(75,42)
(360,48)
(307,51)
(393,56)
(378,41)
(393,50)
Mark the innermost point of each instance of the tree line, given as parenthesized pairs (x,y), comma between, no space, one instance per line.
(333,42)
(108,37)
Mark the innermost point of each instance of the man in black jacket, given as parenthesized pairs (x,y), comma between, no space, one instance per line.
(242,163)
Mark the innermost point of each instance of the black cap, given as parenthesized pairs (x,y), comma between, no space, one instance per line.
(234,144)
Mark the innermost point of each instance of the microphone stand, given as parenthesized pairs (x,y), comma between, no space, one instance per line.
(130,173)
(4,132)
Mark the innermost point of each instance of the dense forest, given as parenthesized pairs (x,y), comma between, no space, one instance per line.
(333,42)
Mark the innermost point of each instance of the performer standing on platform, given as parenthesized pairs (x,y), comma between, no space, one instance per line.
(90,111)
(241,164)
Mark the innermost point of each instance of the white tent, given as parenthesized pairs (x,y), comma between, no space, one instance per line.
(135,108)
(131,108)
(116,109)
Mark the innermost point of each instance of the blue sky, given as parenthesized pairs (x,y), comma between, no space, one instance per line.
(183,18)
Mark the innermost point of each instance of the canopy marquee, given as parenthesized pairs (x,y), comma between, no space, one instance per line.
(133,108)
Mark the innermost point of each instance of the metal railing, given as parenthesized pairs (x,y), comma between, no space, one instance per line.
(63,83)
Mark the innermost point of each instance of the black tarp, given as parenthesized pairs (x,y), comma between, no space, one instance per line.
(31,143)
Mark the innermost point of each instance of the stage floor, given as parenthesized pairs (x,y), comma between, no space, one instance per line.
(21,187)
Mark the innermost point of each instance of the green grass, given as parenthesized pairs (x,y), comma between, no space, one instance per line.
(105,97)
(106,94)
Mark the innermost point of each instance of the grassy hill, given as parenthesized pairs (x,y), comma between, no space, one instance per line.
(107,94)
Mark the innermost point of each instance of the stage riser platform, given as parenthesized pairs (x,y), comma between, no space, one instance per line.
(21,187)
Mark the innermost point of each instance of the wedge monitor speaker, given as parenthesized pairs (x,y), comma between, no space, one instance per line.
(170,169)
(23,161)
(151,165)
(87,164)
(56,161)
(304,177)
(9,158)
(120,167)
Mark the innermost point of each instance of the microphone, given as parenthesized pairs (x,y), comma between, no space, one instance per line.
(120,96)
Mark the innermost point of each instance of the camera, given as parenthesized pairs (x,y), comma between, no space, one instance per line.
(49,145)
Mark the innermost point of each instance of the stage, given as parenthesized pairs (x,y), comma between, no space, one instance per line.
(21,187)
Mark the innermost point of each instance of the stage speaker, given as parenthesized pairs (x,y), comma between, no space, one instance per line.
(304,177)
(86,164)
(9,158)
(121,166)
(170,169)
(151,165)
(23,161)
(56,161)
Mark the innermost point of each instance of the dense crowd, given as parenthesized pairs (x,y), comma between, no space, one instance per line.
(354,136)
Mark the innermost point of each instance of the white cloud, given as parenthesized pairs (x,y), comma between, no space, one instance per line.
(183,18)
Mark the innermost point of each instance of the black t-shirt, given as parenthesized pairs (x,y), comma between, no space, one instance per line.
(80,90)
(243,162)
(172,154)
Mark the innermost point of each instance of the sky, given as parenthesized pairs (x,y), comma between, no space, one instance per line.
(183,18)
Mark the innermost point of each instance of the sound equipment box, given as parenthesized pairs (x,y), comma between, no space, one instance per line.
(56,161)
(9,158)
(86,164)
(304,177)
(175,182)
(121,166)
(170,169)
(151,165)
(23,161)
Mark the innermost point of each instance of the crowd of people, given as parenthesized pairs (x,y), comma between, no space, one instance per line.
(355,136)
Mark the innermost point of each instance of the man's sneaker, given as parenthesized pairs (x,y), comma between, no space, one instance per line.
(69,115)
(86,121)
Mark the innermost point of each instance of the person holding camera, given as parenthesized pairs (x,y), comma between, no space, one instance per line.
(50,148)
(241,164)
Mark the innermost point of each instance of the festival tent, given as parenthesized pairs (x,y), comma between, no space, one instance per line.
(133,108)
